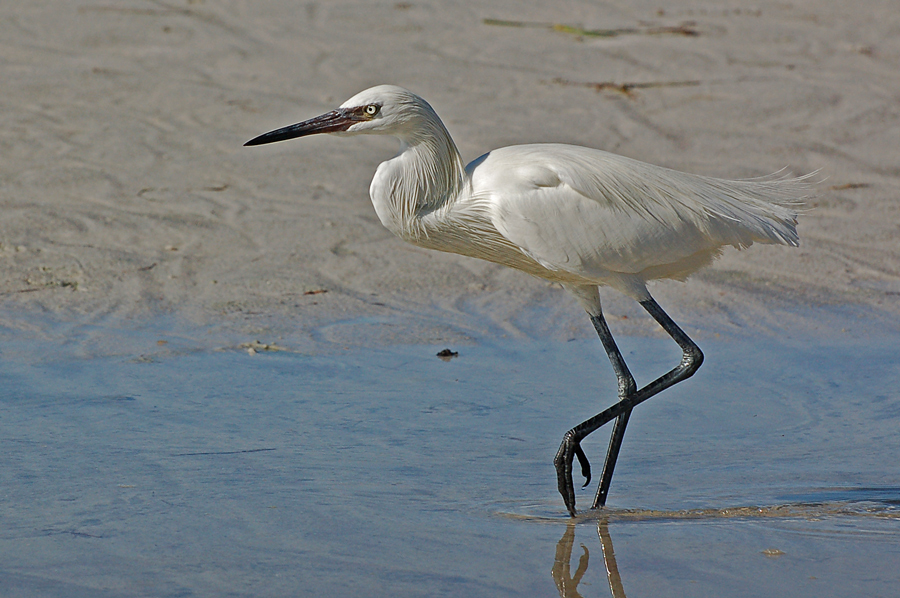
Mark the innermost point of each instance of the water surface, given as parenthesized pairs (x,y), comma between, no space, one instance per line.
(179,468)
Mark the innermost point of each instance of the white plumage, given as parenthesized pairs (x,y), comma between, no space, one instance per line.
(574,215)
(570,214)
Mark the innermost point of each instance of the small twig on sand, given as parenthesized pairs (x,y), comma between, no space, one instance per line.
(686,28)
(849,186)
(624,88)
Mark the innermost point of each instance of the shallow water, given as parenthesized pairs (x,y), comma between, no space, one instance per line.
(175,468)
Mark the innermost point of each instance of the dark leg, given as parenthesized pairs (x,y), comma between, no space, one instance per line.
(612,455)
(627,387)
(692,357)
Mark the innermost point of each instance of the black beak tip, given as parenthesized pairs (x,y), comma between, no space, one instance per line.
(278,135)
(262,139)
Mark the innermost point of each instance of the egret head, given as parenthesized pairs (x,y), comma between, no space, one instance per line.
(381,110)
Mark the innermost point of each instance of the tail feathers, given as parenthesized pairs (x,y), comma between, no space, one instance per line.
(762,210)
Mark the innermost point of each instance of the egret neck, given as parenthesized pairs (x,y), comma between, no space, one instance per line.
(425,178)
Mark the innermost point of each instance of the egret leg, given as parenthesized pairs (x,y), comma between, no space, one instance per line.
(612,455)
(627,387)
(691,359)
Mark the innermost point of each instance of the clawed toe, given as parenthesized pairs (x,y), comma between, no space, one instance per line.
(585,465)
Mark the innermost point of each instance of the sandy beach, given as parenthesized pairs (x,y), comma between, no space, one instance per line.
(126,191)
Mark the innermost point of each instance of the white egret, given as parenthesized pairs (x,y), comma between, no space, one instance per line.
(573,215)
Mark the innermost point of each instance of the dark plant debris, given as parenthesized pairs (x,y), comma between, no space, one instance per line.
(447,354)
(626,88)
(688,29)
(850,186)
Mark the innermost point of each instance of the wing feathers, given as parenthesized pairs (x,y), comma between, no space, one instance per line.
(597,214)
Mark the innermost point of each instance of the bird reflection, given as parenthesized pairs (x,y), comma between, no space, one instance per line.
(609,559)
(566,583)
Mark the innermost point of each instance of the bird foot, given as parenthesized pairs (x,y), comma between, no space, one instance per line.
(565,456)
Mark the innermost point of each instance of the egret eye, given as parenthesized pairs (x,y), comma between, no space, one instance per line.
(371,110)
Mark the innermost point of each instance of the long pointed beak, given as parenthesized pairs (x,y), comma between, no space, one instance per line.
(330,122)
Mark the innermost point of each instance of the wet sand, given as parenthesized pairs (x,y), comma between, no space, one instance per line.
(145,255)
